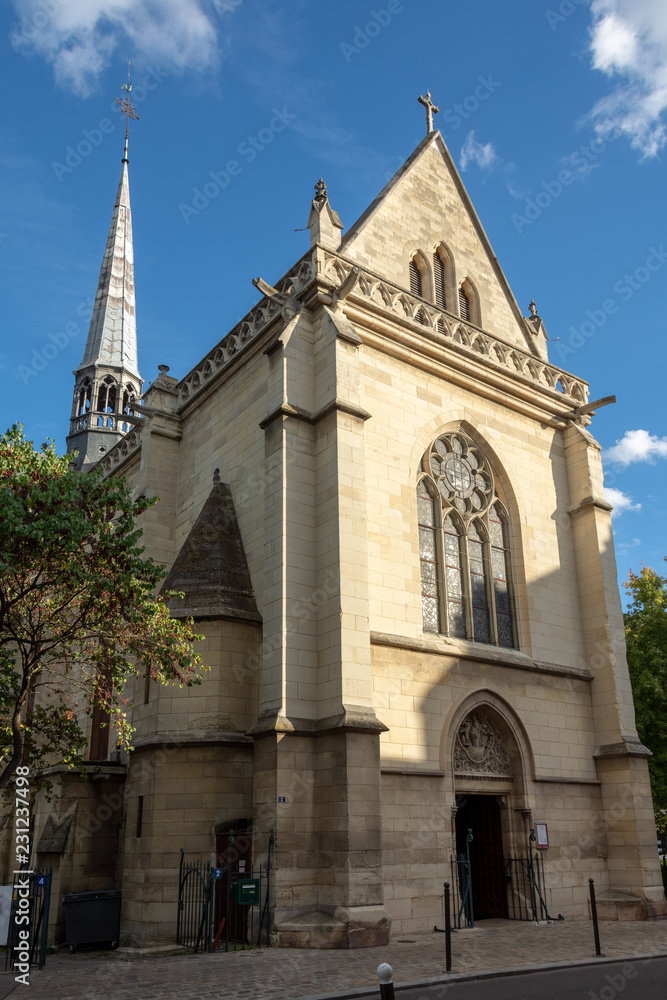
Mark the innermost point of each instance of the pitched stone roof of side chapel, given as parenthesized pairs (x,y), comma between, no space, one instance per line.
(211,568)
(427,197)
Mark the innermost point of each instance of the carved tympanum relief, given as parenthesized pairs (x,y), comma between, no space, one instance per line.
(479,748)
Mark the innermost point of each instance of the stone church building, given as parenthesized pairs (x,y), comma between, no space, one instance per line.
(384,506)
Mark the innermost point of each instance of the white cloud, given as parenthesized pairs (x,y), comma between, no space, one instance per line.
(79,37)
(474,152)
(629,42)
(636,446)
(620,501)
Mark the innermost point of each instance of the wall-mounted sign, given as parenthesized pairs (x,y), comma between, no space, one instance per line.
(541,836)
(281,798)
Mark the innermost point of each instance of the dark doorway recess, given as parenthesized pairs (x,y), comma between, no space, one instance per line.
(234,855)
(481,814)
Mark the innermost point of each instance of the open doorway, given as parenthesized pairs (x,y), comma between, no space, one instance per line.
(481,814)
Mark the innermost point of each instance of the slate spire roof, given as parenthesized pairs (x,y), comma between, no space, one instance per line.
(112,335)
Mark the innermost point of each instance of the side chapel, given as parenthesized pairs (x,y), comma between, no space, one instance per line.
(385,509)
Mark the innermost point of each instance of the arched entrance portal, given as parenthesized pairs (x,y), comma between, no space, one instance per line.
(481,815)
(489,788)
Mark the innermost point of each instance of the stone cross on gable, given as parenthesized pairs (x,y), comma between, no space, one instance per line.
(430,110)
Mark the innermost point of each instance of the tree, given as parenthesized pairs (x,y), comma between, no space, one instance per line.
(646,637)
(78,611)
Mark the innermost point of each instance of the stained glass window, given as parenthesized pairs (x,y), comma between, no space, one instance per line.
(428,560)
(501,588)
(478,588)
(456,616)
(463,545)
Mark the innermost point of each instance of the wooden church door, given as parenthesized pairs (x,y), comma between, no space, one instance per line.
(481,814)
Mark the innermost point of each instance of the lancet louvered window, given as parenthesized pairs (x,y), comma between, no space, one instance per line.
(416,284)
(464,304)
(439,278)
(464,545)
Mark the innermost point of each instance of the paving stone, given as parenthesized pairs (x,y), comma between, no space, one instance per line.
(287,974)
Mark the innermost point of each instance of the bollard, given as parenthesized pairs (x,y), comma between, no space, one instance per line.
(386,985)
(448,931)
(594,914)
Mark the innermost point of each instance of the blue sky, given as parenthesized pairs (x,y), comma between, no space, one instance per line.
(529,94)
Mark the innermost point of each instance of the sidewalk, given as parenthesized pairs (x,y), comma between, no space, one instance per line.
(288,974)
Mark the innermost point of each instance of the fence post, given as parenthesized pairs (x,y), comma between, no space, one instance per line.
(386,986)
(594,914)
(448,931)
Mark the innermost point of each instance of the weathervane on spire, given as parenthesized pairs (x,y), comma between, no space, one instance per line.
(430,110)
(127,109)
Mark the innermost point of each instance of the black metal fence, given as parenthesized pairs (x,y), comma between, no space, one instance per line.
(463,915)
(224,907)
(524,885)
(31,900)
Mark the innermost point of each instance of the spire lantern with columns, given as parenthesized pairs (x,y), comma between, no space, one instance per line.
(107,382)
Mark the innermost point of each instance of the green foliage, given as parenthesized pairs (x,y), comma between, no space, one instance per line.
(78,612)
(646,637)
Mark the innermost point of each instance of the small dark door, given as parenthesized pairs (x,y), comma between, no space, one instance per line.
(236,861)
(481,814)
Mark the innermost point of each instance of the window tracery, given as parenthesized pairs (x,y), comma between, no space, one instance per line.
(464,545)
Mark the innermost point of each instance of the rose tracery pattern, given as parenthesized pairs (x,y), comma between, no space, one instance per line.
(461,473)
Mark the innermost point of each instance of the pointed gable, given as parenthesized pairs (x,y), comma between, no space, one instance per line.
(423,207)
(211,568)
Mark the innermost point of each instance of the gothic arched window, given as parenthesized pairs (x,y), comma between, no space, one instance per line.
(84,398)
(416,278)
(469,308)
(464,304)
(463,545)
(443,278)
(128,399)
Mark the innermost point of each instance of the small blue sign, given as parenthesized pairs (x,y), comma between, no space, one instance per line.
(41,880)
(217,873)
(281,798)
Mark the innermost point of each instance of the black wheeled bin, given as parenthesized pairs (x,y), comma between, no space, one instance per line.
(92,917)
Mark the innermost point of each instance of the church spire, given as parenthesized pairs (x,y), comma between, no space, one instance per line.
(107,382)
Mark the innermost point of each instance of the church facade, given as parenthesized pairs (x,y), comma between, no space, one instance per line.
(385,509)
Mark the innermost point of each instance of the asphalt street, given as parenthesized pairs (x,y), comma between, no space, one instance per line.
(632,980)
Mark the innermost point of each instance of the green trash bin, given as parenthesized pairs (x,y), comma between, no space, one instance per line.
(92,917)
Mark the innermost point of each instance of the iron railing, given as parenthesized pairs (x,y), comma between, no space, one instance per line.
(462,879)
(525,888)
(225,907)
(37,883)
